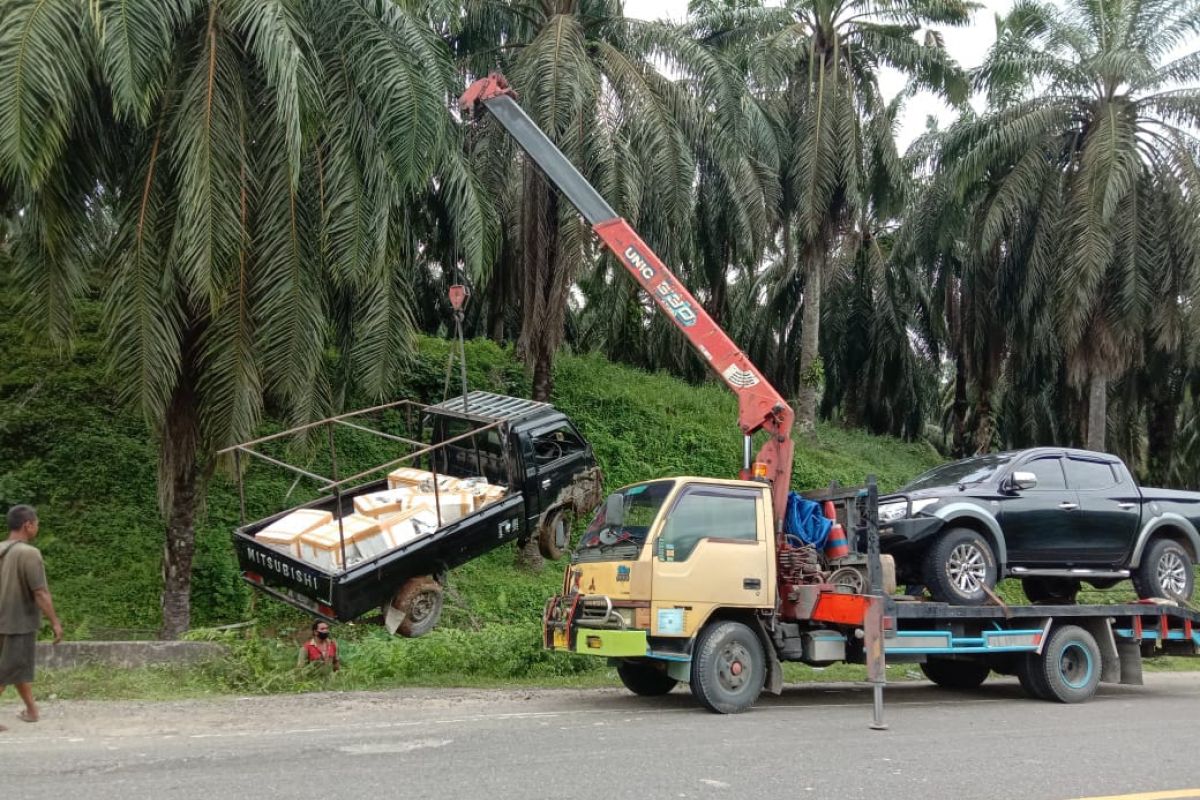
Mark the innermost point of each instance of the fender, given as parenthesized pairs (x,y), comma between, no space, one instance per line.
(953,512)
(1166,520)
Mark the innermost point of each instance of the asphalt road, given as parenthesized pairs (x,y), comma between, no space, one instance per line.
(813,742)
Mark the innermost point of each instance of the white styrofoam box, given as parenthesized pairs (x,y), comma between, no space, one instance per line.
(451,506)
(489,495)
(323,547)
(408,525)
(383,503)
(286,531)
(407,476)
(445,483)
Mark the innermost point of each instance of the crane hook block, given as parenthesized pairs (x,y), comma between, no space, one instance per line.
(458,296)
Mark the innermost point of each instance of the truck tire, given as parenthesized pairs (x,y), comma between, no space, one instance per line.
(1057,591)
(729,668)
(957,566)
(950,674)
(1028,667)
(420,600)
(1068,669)
(645,679)
(554,535)
(1166,571)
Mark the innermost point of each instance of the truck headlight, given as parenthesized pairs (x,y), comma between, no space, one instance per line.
(890,512)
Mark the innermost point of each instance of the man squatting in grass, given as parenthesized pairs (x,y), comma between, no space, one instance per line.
(24,597)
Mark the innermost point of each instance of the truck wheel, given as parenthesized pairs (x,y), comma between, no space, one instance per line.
(1069,667)
(554,536)
(1059,591)
(645,679)
(950,674)
(728,668)
(957,567)
(1166,571)
(420,600)
(1028,669)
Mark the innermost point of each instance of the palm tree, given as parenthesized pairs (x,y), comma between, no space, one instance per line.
(1092,159)
(813,65)
(236,175)
(589,77)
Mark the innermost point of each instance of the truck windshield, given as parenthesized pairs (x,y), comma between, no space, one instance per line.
(967,471)
(604,542)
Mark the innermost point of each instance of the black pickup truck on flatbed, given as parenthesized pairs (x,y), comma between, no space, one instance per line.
(1052,517)
(547,470)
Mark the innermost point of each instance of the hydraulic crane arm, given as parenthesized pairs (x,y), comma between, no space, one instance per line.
(760,405)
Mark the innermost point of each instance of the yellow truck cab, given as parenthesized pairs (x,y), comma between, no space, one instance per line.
(659,563)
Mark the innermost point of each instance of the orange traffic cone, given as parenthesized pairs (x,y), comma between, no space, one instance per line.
(836,545)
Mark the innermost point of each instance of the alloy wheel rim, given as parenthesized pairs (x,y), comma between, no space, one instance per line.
(1172,574)
(966,568)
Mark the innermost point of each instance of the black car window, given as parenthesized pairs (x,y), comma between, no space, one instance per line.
(549,446)
(1048,471)
(1089,476)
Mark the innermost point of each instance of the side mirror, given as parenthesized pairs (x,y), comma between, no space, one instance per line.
(614,511)
(1022,480)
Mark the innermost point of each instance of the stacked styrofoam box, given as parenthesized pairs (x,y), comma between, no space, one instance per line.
(385,503)
(447,506)
(408,525)
(323,546)
(285,532)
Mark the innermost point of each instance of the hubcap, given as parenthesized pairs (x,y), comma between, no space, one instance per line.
(966,568)
(422,606)
(732,666)
(1075,666)
(1172,574)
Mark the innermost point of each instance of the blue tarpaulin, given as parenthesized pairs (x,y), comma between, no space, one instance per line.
(805,521)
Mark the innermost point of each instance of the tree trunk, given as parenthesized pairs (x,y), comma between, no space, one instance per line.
(809,394)
(178,553)
(1097,418)
(543,375)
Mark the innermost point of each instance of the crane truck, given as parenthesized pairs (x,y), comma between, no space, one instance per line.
(694,580)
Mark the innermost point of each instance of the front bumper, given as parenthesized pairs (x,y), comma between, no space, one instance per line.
(903,533)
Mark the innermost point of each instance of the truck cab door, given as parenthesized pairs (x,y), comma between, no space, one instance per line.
(1109,510)
(554,454)
(1037,522)
(713,549)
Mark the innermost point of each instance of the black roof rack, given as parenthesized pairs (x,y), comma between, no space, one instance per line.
(491,407)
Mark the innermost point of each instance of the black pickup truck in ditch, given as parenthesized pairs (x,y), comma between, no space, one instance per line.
(1052,517)
(495,469)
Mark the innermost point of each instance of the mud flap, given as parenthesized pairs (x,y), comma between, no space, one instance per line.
(1131,663)
(393,619)
(774,680)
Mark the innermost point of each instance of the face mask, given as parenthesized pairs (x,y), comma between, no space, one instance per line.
(322,634)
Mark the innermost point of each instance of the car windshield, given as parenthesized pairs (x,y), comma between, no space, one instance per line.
(604,542)
(967,471)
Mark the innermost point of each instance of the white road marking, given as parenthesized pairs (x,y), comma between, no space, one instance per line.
(393,747)
(714,784)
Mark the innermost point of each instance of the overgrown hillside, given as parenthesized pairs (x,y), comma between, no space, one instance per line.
(89,466)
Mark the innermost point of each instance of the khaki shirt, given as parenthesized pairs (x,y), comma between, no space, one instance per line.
(21,574)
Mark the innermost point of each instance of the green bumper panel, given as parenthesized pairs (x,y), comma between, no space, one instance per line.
(614,644)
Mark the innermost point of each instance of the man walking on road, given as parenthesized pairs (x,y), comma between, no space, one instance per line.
(24,597)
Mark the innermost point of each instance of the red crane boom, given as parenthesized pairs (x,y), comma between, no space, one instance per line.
(760,406)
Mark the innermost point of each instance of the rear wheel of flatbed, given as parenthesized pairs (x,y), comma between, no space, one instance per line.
(1068,668)
(646,678)
(729,667)
(420,600)
(1028,669)
(950,674)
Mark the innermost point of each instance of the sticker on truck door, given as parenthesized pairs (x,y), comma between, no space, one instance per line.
(670,620)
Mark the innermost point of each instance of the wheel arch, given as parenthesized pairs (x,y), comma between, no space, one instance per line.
(963,515)
(1170,526)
